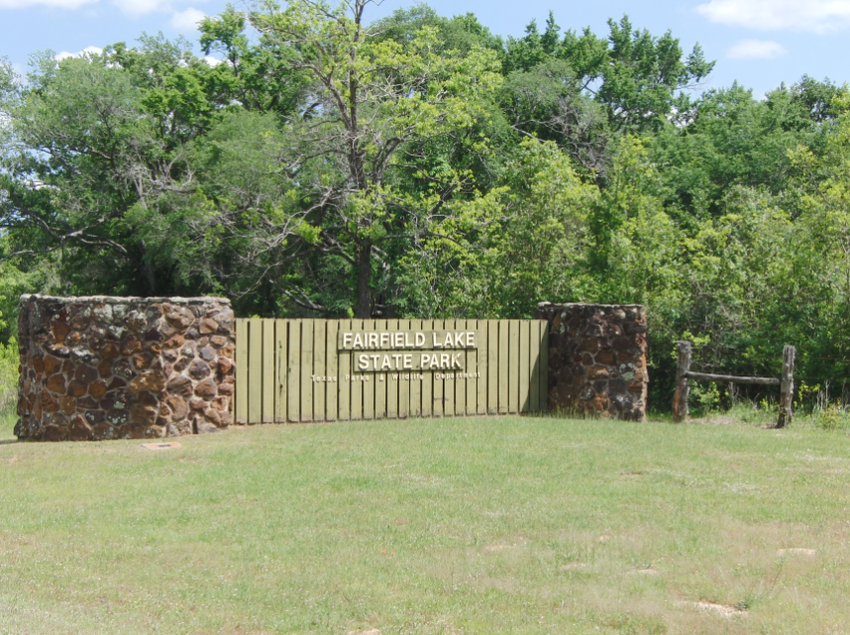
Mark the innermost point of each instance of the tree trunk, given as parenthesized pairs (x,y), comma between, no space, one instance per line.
(363,307)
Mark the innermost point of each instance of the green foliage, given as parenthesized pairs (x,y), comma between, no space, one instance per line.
(637,77)
(497,255)
(9,361)
(833,417)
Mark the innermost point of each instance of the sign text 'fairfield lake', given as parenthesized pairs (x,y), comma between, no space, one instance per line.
(431,350)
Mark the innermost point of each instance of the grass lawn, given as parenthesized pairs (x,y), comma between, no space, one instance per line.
(488,525)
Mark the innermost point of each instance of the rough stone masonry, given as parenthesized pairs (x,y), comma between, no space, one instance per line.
(104,367)
(597,359)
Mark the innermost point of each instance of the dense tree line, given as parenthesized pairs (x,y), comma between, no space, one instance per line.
(420,166)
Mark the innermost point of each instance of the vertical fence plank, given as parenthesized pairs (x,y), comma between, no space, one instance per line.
(534,360)
(318,386)
(460,382)
(471,368)
(369,383)
(524,360)
(281,364)
(267,379)
(513,363)
(306,369)
(680,399)
(240,406)
(344,376)
(404,384)
(356,385)
(428,380)
(544,366)
(449,384)
(416,384)
(393,376)
(332,371)
(379,382)
(379,378)
(293,372)
(503,367)
(481,339)
(255,386)
(492,367)
(439,384)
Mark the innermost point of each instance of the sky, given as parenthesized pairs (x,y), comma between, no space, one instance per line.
(758,43)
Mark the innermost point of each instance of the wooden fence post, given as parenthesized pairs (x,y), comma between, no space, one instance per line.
(680,399)
(786,394)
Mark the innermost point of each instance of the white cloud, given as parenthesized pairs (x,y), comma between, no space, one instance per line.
(755,50)
(806,15)
(213,61)
(60,4)
(89,50)
(187,21)
(136,8)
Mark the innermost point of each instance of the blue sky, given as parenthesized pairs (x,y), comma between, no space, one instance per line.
(759,43)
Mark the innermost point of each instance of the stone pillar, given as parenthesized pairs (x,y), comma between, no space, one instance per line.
(597,359)
(120,368)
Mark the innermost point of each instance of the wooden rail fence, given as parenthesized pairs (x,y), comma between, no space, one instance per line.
(684,373)
(327,370)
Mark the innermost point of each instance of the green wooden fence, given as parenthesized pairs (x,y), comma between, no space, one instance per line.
(328,370)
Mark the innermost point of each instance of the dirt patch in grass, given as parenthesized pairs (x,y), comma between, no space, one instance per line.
(722,610)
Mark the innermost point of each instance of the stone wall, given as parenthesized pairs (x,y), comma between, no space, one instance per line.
(119,368)
(597,359)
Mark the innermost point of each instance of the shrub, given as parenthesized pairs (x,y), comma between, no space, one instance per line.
(833,417)
(8,374)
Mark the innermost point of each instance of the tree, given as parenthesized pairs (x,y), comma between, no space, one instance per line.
(372,109)
(638,78)
(500,254)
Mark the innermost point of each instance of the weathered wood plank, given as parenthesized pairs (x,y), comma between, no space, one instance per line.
(369,383)
(268,326)
(544,366)
(503,367)
(459,408)
(448,383)
(392,378)
(344,377)
(403,384)
(357,386)
(293,376)
(242,371)
(524,360)
(492,369)
(513,365)
(471,367)
(318,386)
(281,336)
(332,371)
(438,396)
(534,360)
(307,328)
(255,372)
(416,384)
(786,396)
(683,366)
(763,381)
(481,338)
